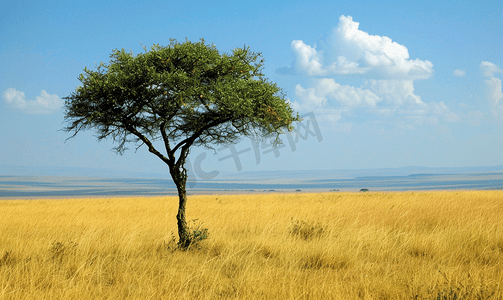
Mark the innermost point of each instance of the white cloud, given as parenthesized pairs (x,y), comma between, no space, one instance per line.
(495,96)
(327,92)
(489,69)
(459,73)
(384,98)
(399,99)
(389,72)
(307,59)
(348,50)
(395,92)
(43,104)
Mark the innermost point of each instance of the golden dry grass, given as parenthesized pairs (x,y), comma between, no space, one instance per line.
(400,245)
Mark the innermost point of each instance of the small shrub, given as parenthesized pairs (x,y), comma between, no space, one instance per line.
(6,259)
(58,250)
(313,261)
(197,234)
(170,245)
(419,252)
(317,261)
(266,252)
(306,230)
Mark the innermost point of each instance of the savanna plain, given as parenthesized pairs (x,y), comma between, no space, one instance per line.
(386,245)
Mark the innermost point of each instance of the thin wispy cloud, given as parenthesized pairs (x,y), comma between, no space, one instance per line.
(459,73)
(45,103)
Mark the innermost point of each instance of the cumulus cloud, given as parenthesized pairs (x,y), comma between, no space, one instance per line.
(350,51)
(43,104)
(459,73)
(489,69)
(386,70)
(399,99)
(395,92)
(327,90)
(384,98)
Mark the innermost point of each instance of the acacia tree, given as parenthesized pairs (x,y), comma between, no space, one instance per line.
(184,94)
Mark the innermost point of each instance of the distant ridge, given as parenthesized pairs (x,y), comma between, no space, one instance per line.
(11,170)
(279,181)
(357,173)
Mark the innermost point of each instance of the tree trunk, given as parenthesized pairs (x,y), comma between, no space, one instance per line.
(179,175)
(183,232)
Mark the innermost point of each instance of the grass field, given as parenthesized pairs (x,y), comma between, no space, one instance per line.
(400,245)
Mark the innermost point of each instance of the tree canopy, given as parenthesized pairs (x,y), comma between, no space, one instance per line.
(184,94)
(187,93)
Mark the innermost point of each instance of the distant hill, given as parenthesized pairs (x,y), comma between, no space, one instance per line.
(12,170)
(349,174)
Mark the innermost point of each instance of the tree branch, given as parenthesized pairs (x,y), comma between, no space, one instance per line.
(149,144)
(190,140)
(171,154)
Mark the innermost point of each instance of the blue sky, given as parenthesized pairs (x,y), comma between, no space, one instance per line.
(381,83)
